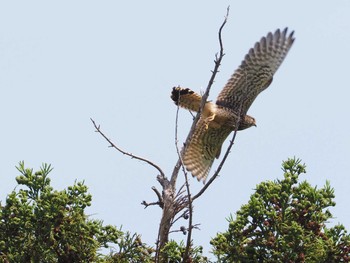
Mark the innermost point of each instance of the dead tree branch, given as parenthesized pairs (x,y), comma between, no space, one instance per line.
(160,177)
(98,129)
(189,198)
(170,207)
(159,202)
(217,63)
(175,203)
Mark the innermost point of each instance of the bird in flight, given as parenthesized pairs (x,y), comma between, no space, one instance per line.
(219,119)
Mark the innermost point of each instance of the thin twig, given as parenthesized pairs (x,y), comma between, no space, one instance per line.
(205,96)
(183,229)
(172,205)
(98,129)
(190,219)
(183,215)
(159,202)
(189,199)
(180,191)
(150,204)
(180,154)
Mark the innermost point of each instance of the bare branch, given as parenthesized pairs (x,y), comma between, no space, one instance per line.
(180,192)
(180,154)
(189,199)
(220,30)
(160,199)
(159,202)
(217,61)
(190,219)
(184,230)
(98,129)
(173,204)
(150,204)
(183,215)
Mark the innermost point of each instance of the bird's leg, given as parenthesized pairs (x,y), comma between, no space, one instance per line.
(209,119)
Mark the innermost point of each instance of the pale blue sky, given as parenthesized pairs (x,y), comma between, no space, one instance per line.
(64,62)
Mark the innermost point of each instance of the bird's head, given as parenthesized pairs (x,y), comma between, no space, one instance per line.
(247,122)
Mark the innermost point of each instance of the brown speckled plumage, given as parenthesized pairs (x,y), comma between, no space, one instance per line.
(218,120)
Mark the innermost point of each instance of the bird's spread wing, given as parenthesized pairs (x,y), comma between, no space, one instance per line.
(256,71)
(186,98)
(204,147)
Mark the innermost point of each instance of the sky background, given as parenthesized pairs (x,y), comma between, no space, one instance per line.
(62,63)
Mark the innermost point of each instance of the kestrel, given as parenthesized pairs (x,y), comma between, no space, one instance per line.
(219,119)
